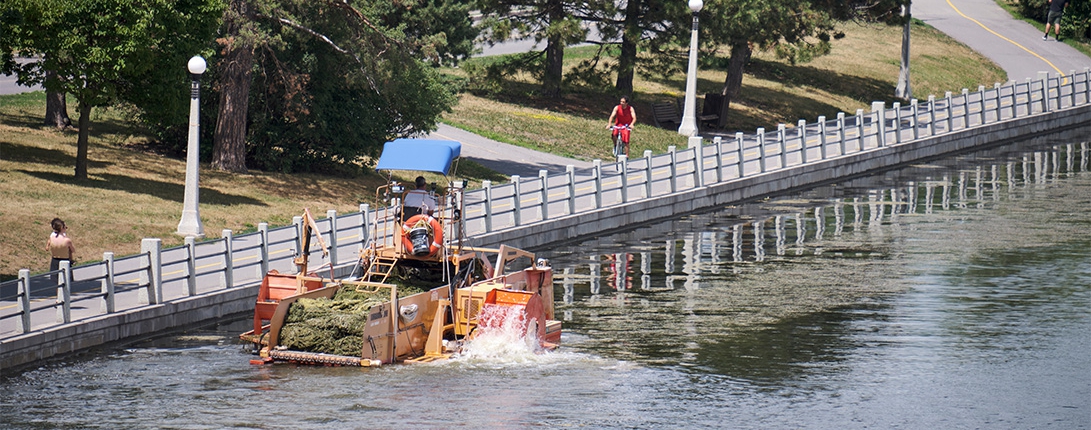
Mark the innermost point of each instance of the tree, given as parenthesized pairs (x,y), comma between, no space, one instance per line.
(649,24)
(306,117)
(97,49)
(795,29)
(557,22)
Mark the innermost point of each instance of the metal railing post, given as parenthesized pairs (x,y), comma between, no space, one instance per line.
(191,265)
(950,115)
(24,300)
(897,122)
(931,115)
(782,145)
(64,294)
(623,164)
(801,132)
(153,293)
(331,214)
(761,149)
(981,96)
(107,284)
(698,166)
(879,110)
(229,258)
(365,225)
(597,171)
(486,186)
(570,172)
(672,151)
(297,221)
(517,204)
(263,236)
(1044,79)
(915,110)
(739,149)
(860,129)
(965,108)
(719,142)
(544,175)
(1014,99)
(697,144)
(841,131)
(1087,85)
(648,174)
(1072,88)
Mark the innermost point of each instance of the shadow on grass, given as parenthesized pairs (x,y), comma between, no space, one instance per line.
(855,87)
(163,190)
(37,155)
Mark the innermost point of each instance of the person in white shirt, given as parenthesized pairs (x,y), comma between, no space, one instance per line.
(419,201)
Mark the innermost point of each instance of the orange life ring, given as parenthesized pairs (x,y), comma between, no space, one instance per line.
(435,233)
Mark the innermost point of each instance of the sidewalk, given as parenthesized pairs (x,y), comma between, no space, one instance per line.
(504,158)
(1014,45)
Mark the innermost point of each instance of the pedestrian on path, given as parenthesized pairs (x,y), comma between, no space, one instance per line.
(60,246)
(1056,10)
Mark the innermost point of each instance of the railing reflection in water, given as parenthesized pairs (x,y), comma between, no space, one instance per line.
(795,230)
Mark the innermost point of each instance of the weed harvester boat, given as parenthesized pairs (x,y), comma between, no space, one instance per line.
(417,295)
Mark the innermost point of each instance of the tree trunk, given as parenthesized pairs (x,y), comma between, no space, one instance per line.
(229,140)
(626,62)
(56,107)
(81,141)
(551,82)
(740,55)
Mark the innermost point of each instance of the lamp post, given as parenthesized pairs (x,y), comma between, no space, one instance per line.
(689,115)
(191,215)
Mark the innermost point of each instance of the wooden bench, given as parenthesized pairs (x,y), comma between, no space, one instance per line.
(666,115)
(710,109)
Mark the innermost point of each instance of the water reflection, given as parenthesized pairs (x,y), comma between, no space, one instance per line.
(780,289)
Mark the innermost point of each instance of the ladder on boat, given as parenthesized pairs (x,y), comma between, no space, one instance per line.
(380,269)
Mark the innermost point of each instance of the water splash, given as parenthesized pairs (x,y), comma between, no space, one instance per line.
(503,338)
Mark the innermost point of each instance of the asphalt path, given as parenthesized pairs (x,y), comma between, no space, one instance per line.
(1014,45)
(504,158)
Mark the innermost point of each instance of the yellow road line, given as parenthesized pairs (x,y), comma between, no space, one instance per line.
(1006,39)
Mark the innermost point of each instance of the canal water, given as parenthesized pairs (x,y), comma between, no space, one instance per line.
(951,294)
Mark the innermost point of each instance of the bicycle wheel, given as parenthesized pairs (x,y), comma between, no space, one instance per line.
(619,147)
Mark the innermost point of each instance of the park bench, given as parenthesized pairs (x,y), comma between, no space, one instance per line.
(666,115)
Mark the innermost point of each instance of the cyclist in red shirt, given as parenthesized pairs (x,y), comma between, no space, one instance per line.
(622,119)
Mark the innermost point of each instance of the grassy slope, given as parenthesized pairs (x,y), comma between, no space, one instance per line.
(861,68)
(131,194)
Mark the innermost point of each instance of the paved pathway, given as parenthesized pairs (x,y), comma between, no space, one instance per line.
(1014,45)
(504,158)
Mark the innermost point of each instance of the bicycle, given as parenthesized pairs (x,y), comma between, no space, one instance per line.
(619,144)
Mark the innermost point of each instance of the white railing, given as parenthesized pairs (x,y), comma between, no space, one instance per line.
(156,275)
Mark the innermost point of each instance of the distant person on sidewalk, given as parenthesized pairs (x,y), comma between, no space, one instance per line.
(419,201)
(1056,9)
(622,115)
(59,246)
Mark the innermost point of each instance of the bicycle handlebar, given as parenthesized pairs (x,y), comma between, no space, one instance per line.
(619,127)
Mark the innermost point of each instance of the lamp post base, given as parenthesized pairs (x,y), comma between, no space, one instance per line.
(190,226)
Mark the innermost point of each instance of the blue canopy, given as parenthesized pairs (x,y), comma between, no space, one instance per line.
(426,155)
